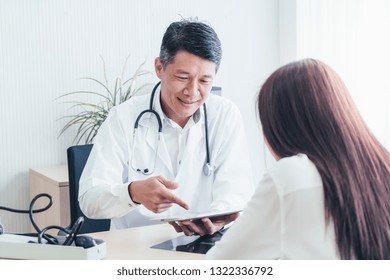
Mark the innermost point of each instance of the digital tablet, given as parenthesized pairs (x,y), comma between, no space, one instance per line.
(191,244)
(195,216)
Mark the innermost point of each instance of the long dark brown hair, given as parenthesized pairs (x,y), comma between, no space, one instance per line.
(304,107)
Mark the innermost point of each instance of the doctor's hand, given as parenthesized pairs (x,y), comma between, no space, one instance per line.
(155,194)
(204,226)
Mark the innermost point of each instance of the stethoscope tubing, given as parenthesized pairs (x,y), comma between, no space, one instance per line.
(148,111)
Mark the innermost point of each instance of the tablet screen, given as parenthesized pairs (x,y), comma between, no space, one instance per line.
(197,215)
(192,244)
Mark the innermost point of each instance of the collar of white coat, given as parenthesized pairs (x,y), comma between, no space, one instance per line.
(195,118)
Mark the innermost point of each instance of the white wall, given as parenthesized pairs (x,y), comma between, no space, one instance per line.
(47,45)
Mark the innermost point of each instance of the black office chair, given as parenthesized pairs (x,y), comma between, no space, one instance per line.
(77,158)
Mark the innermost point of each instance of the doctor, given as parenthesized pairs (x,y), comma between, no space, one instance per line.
(187,152)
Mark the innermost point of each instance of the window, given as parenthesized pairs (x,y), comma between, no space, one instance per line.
(353,37)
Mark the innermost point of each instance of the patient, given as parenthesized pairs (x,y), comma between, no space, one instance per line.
(328,195)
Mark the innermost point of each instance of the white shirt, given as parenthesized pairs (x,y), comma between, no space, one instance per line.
(180,157)
(285,218)
(175,136)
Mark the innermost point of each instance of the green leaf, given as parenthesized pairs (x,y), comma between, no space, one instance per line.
(103,85)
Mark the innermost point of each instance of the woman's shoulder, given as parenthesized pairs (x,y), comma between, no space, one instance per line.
(295,173)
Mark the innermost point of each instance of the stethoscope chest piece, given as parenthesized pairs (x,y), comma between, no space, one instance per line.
(207,169)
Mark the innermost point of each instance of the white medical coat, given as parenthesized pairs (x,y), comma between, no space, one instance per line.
(103,191)
(285,218)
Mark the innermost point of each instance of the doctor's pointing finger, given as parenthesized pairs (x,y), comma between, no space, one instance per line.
(155,194)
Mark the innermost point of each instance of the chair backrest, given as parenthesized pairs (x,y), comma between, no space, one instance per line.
(77,158)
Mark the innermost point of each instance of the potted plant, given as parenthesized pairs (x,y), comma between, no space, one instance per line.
(91,115)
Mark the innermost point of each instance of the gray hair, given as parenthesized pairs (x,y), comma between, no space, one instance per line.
(191,36)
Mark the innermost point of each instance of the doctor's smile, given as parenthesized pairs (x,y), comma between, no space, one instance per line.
(187,102)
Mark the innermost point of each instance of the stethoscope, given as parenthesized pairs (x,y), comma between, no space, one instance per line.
(207,168)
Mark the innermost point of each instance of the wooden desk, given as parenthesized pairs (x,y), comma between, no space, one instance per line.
(135,243)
